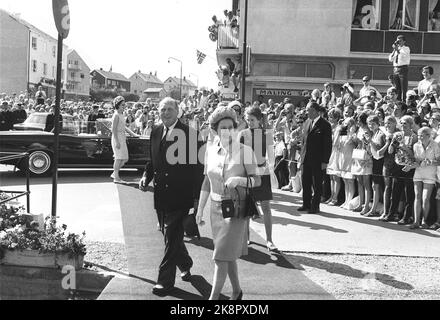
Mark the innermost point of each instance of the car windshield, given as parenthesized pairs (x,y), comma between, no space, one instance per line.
(36,118)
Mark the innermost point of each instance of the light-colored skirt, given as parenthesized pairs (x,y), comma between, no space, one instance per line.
(229,235)
(122,152)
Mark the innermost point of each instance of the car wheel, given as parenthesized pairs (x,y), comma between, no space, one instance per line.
(40,162)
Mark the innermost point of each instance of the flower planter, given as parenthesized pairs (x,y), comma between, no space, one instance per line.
(32,258)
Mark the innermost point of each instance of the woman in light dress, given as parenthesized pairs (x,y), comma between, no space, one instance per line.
(334,115)
(363,169)
(346,146)
(119,143)
(228,163)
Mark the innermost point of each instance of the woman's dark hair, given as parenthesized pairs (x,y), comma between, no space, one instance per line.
(362,118)
(254,111)
(382,113)
(430,69)
(417,119)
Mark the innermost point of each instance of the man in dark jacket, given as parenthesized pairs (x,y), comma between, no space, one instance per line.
(178,176)
(315,155)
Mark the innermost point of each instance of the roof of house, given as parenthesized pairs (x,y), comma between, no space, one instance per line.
(153,90)
(149,77)
(112,75)
(184,81)
(70,51)
(28,25)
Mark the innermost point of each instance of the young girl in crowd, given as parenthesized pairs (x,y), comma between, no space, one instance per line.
(427,156)
(333,171)
(362,167)
(402,146)
(257,138)
(346,133)
(388,165)
(377,149)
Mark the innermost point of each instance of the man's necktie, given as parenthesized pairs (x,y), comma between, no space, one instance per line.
(164,138)
(397,58)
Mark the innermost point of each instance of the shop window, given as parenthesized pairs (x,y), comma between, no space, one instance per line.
(319,71)
(292,70)
(409,9)
(266,69)
(359,71)
(434,15)
(366,14)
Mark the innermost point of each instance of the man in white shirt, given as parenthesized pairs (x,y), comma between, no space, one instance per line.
(401,58)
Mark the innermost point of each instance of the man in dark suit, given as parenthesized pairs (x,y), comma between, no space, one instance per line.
(178,176)
(315,155)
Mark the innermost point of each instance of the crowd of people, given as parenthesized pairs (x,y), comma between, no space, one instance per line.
(385,151)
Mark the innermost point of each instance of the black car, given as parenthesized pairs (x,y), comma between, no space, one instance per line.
(44,121)
(75,150)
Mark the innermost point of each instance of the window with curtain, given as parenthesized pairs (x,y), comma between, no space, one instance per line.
(404,14)
(366,14)
(434,15)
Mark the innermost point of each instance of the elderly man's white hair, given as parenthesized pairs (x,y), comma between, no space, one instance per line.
(171,101)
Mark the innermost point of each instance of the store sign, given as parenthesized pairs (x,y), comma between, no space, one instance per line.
(278,92)
(277,95)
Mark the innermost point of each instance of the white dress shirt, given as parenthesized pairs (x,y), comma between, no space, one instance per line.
(401,59)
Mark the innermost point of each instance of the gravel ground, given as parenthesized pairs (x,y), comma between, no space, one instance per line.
(346,277)
(106,256)
(356,277)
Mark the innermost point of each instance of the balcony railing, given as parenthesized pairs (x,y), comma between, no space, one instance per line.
(227,37)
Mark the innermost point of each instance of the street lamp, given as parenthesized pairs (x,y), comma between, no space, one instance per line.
(196,77)
(181,66)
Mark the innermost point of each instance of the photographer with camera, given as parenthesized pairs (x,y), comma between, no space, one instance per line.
(401,58)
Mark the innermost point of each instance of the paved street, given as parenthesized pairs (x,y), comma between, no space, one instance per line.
(115,213)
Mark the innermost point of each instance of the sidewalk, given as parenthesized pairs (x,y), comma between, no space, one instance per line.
(263,276)
(336,230)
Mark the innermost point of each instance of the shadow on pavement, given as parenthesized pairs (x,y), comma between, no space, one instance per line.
(345,270)
(296,201)
(381,224)
(312,226)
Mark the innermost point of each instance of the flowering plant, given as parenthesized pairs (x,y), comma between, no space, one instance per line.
(18,233)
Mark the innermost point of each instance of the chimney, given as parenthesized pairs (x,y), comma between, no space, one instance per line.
(151,73)
(139,71)
(155,73)
(184,78)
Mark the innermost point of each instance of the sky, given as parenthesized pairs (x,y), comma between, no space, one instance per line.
(133,35)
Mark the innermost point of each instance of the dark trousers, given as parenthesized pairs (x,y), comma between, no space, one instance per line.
(400,79)
(403,182)
(176,254)
(312,176)
(281,171)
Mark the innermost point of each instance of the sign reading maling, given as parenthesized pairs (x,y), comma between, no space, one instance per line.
(278,92)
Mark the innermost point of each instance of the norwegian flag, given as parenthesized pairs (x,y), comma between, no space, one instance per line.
(200,57)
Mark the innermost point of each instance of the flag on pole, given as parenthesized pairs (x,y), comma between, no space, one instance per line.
(200,57)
